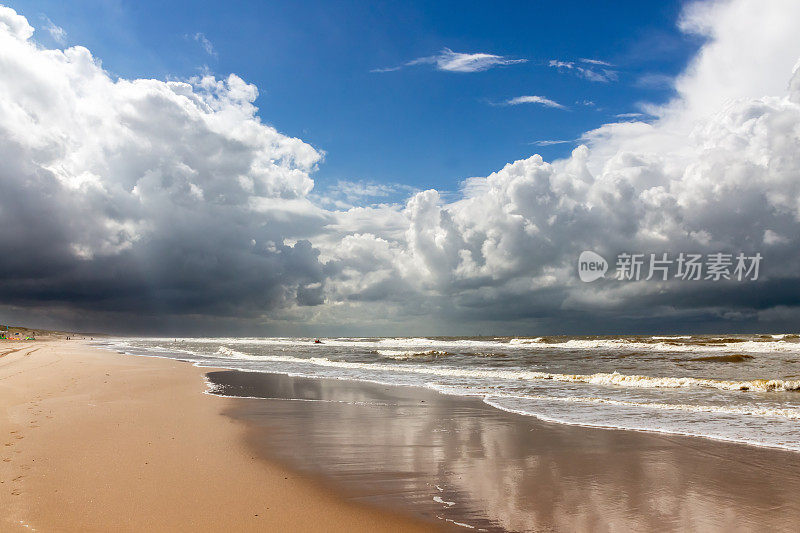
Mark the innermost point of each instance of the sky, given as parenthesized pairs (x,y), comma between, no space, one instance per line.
(395,169)
(315,66)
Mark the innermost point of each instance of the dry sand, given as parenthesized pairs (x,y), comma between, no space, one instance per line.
(95,441)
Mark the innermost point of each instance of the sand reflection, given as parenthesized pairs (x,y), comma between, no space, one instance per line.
(450,458)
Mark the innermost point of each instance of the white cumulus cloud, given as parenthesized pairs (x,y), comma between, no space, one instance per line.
(715,169)
(136,195)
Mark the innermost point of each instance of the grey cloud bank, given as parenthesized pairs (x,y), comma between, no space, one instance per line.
(151,206)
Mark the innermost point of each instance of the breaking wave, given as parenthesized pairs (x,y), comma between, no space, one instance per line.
(600,378)
(765,412)
(680,343)
(410,354)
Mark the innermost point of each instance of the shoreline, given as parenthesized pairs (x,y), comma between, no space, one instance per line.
(458,459)
(493,400)
(102,440)
(97,441)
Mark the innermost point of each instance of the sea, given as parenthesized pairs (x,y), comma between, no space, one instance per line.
(737,388)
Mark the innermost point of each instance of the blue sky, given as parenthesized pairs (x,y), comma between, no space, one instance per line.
(314,64)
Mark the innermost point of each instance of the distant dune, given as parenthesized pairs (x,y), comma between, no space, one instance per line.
(44,334)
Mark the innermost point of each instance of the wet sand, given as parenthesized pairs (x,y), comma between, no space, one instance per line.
(456,459)
(91,440)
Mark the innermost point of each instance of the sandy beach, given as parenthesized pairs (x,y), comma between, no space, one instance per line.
(400,266)
(95,441)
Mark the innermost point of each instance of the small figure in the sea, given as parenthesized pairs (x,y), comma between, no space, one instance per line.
(317,341)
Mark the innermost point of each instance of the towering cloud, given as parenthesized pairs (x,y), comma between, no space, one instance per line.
(143,196)
(717,169)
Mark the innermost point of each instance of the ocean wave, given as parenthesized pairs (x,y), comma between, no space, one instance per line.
(747,410)
(224,350)
(638,381)
(785,343)
(517,341)
(600,378)
(709,345)
(732,358)
(417,354)
(740,434)
(411,354)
